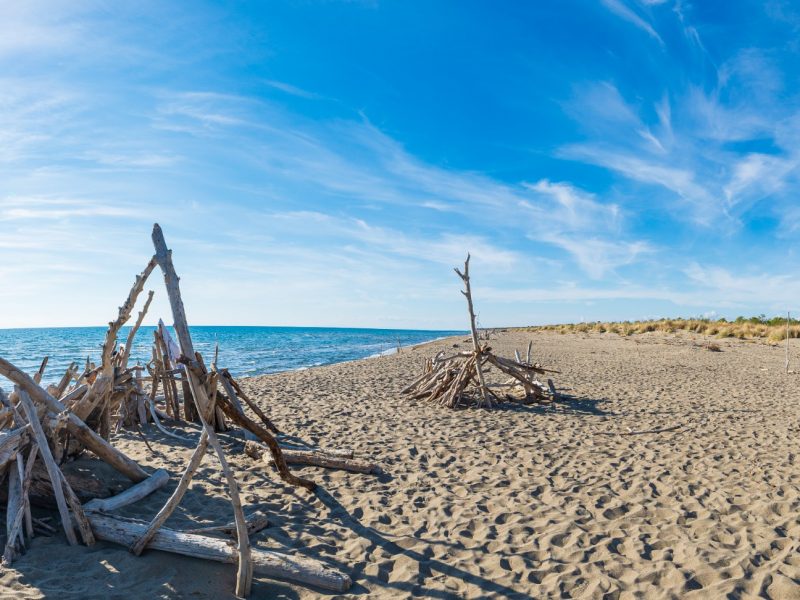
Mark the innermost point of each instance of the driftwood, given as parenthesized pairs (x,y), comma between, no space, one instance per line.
(54,424)
(176,497)
(52,468)
(476,347)
(266,563)
(253,406)
(311,457)
(255,523)
(133,494)
(10,443)
(459,379)
(77,427)
(277,452)
(163,257)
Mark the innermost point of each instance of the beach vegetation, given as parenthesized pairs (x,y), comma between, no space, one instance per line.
(769,329)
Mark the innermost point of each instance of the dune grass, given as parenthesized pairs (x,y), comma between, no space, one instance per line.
(759,328)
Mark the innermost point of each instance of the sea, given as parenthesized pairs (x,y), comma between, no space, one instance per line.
(245,351)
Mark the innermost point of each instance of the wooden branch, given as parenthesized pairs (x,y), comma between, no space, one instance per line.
(11,442)
(245,422)
(15,508)
(310,457)
(132,333)
(161,428)
(133,494)
(109,345)
(52,468)
(176,497)
(244,576)
(38,377)
(265,562)
(65,379)
(76,426)
(255,523)
(253,406)
(226,385)
(473,330)
(77,511)
(335,452)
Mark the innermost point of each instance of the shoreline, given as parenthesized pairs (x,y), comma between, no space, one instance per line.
(385,353)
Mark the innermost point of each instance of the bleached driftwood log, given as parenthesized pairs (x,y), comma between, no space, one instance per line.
(23,513)
(265,562)
(52,468)
(133,494)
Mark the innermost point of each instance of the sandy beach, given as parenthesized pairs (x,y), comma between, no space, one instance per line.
(664,471)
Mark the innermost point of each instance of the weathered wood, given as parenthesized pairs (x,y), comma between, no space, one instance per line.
(52,468)
(244,576)
(109,345)
(310,457)
(59,487)
(473,329)
(77,511)
(10,443)
(133,494)
(76,426)
(94,396)
(176,497)
(255,523)
(40,373)
(226,385)
(337,452)
(26,486)
(15,508)
(253,406)
(132,333)
(265,563)
(19,484)
(277,453)
(65,379)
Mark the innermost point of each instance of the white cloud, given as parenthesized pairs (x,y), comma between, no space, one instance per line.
(619,8)
(290,89)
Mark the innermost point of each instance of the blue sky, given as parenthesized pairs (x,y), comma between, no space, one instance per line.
(327,163)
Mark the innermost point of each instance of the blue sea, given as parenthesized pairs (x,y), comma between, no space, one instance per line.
(245,351)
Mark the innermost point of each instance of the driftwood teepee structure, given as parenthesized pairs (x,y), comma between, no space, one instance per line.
(41,429)
(460,379)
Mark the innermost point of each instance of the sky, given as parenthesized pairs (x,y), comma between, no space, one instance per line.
(328,162)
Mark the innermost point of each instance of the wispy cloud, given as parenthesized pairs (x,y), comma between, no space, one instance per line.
(288,88)
(623,11)
(17,208)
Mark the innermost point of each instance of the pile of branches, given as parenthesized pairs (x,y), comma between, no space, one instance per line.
(460,379)
(44,428)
